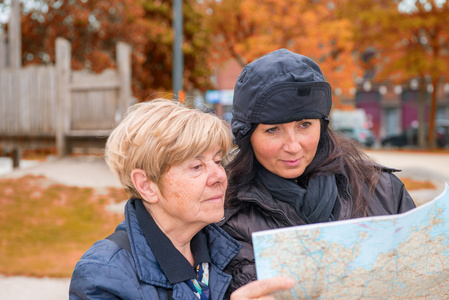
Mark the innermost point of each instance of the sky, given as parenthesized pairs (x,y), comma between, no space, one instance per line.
(5,8)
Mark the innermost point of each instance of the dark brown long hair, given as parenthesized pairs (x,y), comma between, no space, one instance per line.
(336,154)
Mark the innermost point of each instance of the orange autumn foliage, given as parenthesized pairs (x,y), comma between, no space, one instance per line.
(94,28)
(246,30)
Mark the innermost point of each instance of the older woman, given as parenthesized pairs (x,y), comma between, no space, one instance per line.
(169,160)
(291,169)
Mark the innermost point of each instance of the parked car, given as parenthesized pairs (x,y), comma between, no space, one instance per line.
(442,132)
(353,123)
(409,137)
(360,134)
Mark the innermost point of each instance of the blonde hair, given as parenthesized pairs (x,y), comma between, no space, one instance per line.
(159,134)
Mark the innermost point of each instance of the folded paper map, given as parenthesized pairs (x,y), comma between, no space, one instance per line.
(403,256)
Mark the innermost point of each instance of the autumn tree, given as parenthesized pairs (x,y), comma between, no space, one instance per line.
(94,28)
(245,30)
(410,40)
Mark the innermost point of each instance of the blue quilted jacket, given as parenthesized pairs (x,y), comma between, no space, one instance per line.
(107,271)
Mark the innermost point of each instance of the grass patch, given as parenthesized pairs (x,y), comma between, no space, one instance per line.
(411,184)
(46,227)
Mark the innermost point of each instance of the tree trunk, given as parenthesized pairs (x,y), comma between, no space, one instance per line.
(421,111)
(433,108)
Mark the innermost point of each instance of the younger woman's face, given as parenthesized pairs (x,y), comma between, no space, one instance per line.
(286,149)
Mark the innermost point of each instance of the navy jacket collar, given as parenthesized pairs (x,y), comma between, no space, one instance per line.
(219,245)
(174,265)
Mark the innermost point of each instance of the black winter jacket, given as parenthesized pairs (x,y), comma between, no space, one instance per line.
(258,211)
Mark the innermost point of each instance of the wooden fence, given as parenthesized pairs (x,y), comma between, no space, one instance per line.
(41,106)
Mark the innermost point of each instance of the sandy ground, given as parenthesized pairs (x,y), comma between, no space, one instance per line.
(90,171)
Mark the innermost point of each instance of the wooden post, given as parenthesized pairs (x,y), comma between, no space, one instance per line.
(15,36)
(63,59)
(16,154)
(124,71)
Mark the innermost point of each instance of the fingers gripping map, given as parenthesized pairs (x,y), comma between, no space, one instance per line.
(403,256)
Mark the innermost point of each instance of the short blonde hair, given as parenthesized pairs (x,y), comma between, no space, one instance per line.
(159,134)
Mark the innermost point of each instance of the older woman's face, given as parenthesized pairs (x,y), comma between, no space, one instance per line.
(286,149)
(193,192)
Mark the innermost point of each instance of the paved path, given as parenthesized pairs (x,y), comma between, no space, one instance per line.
(419,166)
(92,172)
(82,171)
(27,288)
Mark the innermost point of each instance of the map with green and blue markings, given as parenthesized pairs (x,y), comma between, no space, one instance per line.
(403,256)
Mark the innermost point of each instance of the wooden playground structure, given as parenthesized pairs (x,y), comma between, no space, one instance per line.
(53,106)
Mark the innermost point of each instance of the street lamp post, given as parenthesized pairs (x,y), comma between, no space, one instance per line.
(178,60)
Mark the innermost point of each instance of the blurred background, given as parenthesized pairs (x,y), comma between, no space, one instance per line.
(69,69)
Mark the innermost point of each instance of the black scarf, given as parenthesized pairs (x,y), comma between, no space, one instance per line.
(313,204)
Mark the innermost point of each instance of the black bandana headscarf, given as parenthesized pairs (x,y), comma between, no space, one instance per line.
(313,204)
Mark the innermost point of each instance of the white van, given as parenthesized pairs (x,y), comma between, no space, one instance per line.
(354,124)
